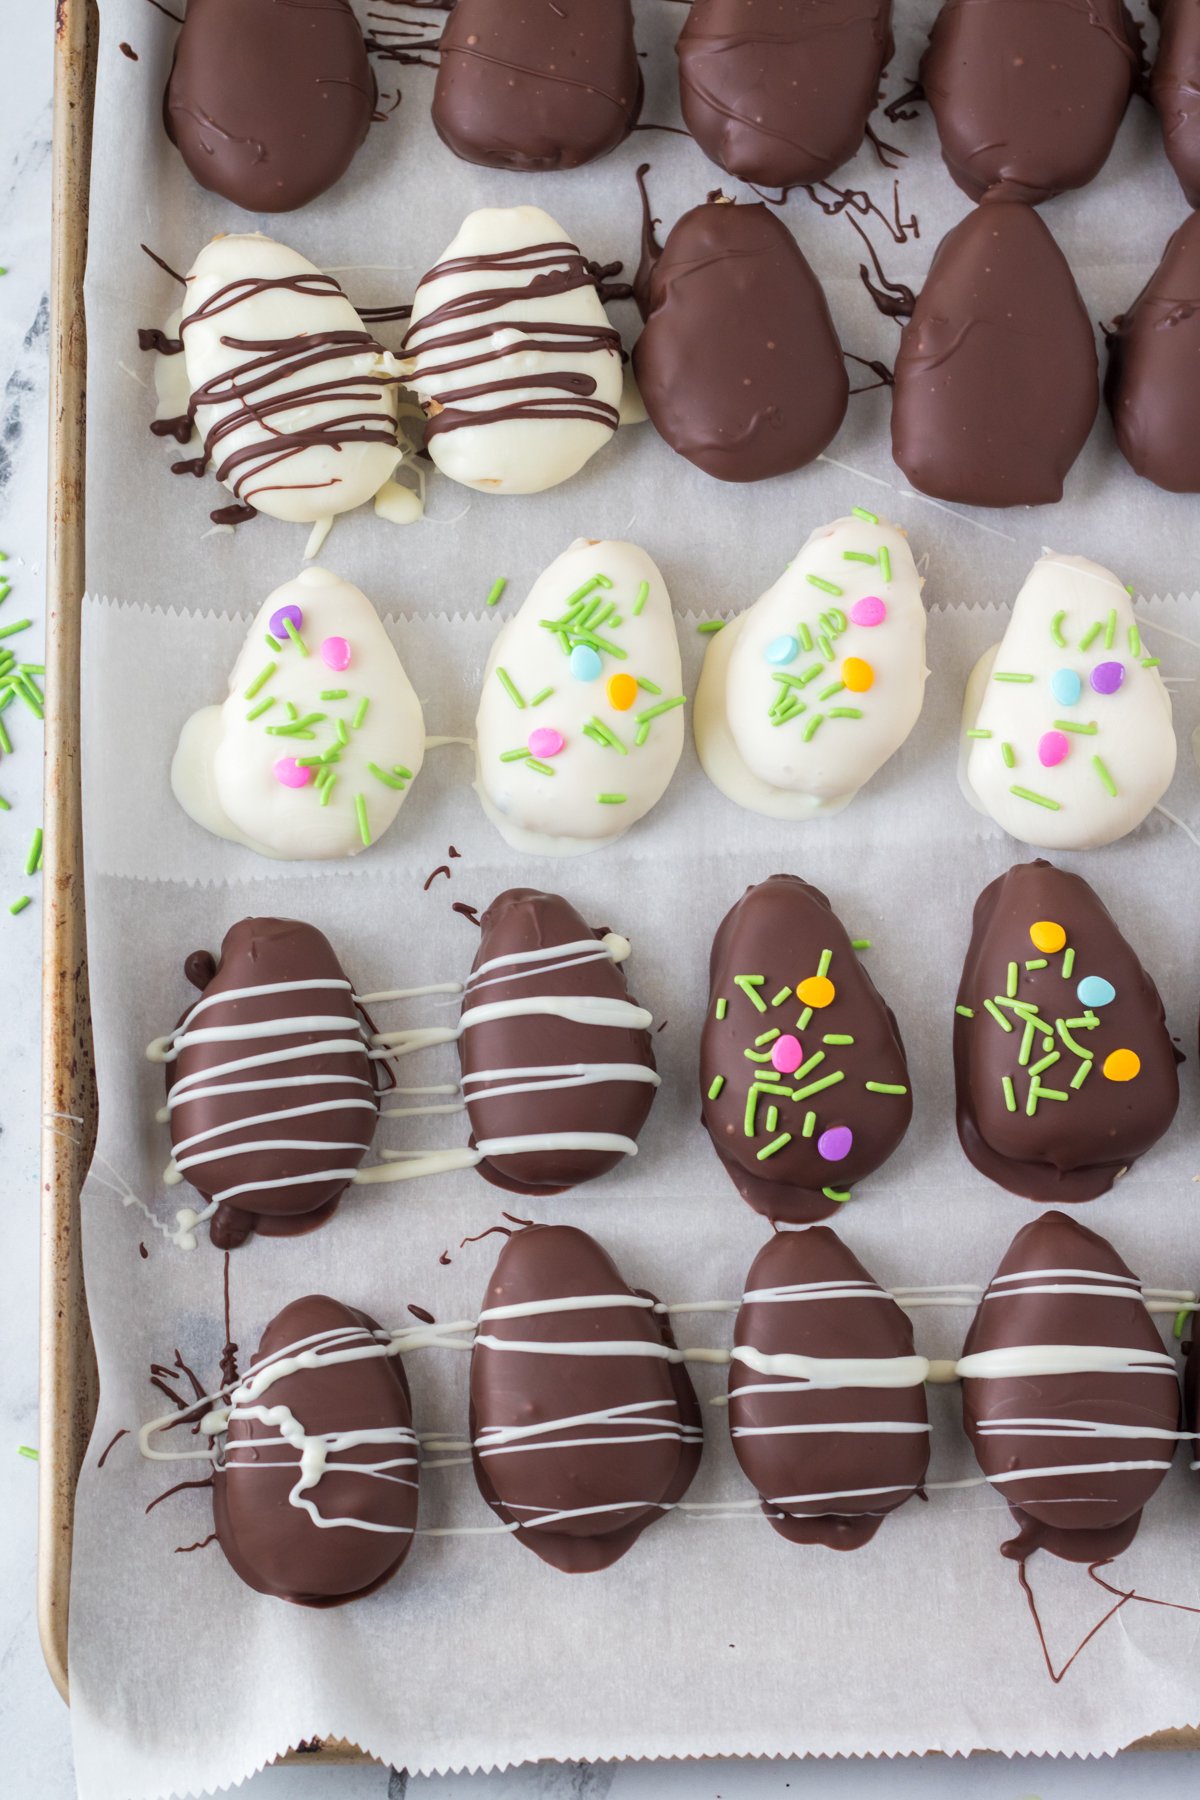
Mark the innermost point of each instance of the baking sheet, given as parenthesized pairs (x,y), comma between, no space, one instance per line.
(714,1636)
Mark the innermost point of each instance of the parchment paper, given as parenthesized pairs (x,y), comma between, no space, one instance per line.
(714,1636)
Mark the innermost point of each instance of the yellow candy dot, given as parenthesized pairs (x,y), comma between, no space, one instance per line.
(857,674)
(816,991)
(622,692)
(1122,1065)
(1047,936)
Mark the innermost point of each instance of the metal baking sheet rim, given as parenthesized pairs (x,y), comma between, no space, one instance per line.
(68,1378)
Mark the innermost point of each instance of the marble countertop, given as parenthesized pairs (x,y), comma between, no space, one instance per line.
(35,1747)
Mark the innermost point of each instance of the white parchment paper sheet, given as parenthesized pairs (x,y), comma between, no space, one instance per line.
(713,1636)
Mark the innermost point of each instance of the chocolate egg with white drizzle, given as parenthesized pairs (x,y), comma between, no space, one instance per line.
(827,1407)
(558,1068)
(271,1096)
(511,355)
(1070,1401)
(585,1426)
(316,1483)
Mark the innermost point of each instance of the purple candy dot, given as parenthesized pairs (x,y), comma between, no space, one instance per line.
(289,772)
(1107,677)
(835,1143)
(545,741)
(870,610)
(279,620)
(1053,748)
(786,1054)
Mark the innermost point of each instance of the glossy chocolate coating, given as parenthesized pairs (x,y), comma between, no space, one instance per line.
(273,1543)
(1175,90)
(1027,95)
(779,91)
(268,100)
(1071,1148)
(1081,1517)
(856,1476)
(520,922)
(1153,382)
(526,85)
(738,363)
(780,931)
(611,1440)
(280,1189)
(996,385)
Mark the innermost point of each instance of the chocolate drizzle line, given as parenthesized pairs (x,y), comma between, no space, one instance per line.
(103,1457)
(904,106)
(202,1544)
(650,250)
(1124,1596)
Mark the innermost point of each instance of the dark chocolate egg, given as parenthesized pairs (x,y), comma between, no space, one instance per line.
(537,86)
(779,91)
(826,1393)
(585,1427)
(996,385)
(1153,381)
(738,363)
(1175,90)
(268,100)
(802,1073)
(1069,1399)
(270,1090)
(1064,1068)
(316,1391)
(1027,96)
(557,1065)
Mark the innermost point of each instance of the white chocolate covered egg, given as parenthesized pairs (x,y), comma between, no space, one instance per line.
(807,693)
(321,737)
(580,722)
(512,356)
(1067,735)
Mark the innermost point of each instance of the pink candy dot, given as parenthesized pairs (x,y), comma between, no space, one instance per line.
(545,741)
(835,1143)
(1053,747)
(335,653)
(786,1054)
(870,610)
(289,772)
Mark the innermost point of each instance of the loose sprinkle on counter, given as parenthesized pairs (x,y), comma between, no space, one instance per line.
(496,590)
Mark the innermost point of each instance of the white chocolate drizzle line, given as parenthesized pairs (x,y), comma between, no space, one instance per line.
(549,958)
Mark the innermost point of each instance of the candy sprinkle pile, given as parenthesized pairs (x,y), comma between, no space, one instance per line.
(19,681)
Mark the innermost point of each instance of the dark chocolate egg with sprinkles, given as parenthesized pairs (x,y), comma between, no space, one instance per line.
(268,100)
(1027,96)
(534,87)
(557,1063)
(1069,1399)
(778,92)
(271,1095)
(1175,90)
(827,1404)
(1153,383)
(803,1078)
(315,1491)
(731,294)
(1065,1072)
(996,380)
(585,1426)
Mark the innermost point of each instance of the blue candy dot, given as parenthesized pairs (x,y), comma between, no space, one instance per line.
(585,663)
(1066,686)
(1093,990)
(782,650)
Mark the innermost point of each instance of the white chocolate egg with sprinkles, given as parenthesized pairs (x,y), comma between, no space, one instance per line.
(807,694)
(1067,736)
(321,737)
(580,722)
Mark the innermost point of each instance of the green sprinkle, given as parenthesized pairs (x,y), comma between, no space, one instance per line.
(607,799)
(813,726)
(1076,1049)
(510,687)
(1089,637)
(748,984)
(1151,662)
(826,587)
(825,646)
(770,1149)
(1135,641)
(5,740)
(718,1082)
(1008,675)
(256,712)
(772,1118)
(260,681)
(805,637)
(1110,629)
(975,732)
(965,1012)
(862,556)
(766,1037)
(391,781)
(823,965)
(810,1124)
(341,734)
(327,789)
(26,1451)
(813,1062)
(885,562)
(1056,630)
(648,687)
(1031,1104)
(544,695)
(706,627)
(783,994)
(991,1007)
(817,1087)
(802,1021)
(521,754)
(664,706)
(1074,725)
(1046,1062)
(497,588)
(845,712)
(1037,962)
(1045,1093)
(1106,778)
(1009,755)
(33,861)
(860,512)
(837,1037)
(751,1109)
(841,1195)
(1181,1318)
(860,943)
(18,906)
(272,642)
(885,1087)
(1027,1037)
(4,804)
(722,1007)
(539,768)
(334,694)
(12,630)
(837,687)
(360,809)
(643,594)
(1014,976)
(360,713)
(1024,793)
(1068,961)
(299,642)
(1081,1074)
